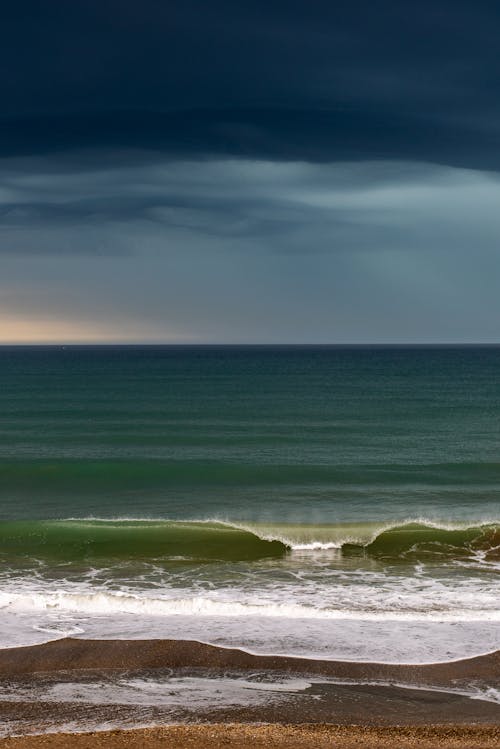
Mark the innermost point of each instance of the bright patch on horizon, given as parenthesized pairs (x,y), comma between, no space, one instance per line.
(15,329)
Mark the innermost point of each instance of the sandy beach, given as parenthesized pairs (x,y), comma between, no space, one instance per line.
(270,736)
(342,703)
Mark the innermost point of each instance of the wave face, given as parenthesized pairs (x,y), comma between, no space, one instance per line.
(390,540)
(421,540)
(76,540)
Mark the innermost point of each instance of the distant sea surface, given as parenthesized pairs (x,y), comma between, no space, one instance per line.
(337,502)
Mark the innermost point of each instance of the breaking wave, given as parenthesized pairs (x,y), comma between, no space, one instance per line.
(205,540)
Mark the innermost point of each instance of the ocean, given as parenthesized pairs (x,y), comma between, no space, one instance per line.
(321,501)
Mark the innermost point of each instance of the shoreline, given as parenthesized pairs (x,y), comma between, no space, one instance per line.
(76,685)
(74,654)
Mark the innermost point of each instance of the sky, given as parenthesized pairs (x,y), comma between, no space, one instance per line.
(249,172)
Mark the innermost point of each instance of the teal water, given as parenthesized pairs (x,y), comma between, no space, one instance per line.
(278,484)
(296,434)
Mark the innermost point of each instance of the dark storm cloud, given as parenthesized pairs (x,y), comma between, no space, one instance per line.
(316,81)
(249,171)
(280,135)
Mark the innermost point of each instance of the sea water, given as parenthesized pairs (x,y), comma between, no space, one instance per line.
(331,502)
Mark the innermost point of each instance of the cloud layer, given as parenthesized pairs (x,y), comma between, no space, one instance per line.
(275,80)
(249,172)
(252,251)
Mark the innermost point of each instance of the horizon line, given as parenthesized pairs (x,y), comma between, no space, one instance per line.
(136,344)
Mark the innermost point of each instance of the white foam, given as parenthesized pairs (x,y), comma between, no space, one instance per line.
(117,602)
(342,639)
(202,692)
(490,694)
(176,692)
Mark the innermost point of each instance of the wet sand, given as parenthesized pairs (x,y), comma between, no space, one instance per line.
(75,654)
(393,705)
(362,705)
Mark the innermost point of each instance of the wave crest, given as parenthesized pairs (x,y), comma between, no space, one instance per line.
(208,540)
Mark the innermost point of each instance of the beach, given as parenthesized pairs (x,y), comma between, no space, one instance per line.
(297,699)
(270,737)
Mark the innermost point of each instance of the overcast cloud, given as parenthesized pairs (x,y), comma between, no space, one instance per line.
(255,251)
(249,172)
